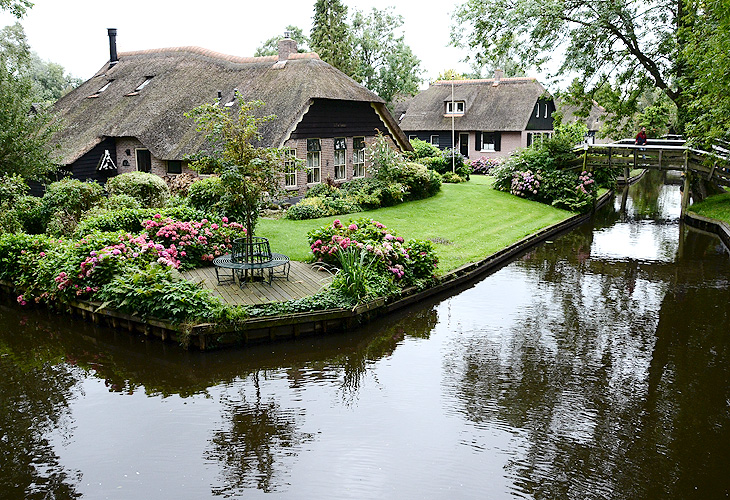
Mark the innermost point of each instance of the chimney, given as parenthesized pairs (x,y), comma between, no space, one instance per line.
(498,75)
(113,58)
(287,46)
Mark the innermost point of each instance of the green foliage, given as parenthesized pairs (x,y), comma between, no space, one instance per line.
(352,279)
(149,189)
(627,46)
(423,149)
(130,220)
(419,181)
(706,78)
(66,201)
(452,178)
(206,194)
(329,298)
(29,212)
(16,7)
(248,174)
(24,135)
(157,292)
(384,63)
(540,173)
(121,201)
(12,187)
(331,37)
(448,160)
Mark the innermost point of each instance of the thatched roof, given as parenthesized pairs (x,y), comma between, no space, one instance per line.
(185,77)
(499,105)
(596,116)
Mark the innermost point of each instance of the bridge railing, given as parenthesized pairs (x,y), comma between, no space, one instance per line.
(657,155)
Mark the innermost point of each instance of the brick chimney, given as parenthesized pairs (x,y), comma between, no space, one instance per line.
(498,75)
(113,58)
(287,46)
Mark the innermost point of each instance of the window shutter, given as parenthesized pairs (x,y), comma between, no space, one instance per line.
(497,141)
(478,141)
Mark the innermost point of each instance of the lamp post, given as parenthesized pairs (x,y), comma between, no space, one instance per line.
(453,134)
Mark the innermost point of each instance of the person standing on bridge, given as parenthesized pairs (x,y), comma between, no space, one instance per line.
(641,137)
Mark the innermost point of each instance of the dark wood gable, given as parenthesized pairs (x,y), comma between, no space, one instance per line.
(542,115)
(86,167)
(335,118)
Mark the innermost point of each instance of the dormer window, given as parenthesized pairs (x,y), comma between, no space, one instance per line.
(102,89)
(455,107)
(142,85)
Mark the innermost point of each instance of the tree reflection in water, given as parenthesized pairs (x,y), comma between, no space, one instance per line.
(615,377)
(34,396)
(260,433)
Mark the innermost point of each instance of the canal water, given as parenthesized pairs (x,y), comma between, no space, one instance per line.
(595,366)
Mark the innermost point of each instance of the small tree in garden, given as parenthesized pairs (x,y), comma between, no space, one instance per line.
(249,174)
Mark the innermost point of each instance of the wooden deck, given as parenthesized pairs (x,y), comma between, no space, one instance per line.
(303,281)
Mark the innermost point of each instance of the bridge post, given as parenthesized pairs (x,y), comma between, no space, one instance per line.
(686,190)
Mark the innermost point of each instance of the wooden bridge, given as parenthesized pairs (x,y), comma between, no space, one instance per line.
(658,154)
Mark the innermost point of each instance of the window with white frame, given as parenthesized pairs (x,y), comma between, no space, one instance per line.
(488,141)
(455,107)
(537,110)
(290,168)
(546,110)
(314,161)
(537,137)
(435,140)
(340,157)
(358,157)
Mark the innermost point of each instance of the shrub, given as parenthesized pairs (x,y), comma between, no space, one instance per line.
(205,194)
(29,211)
(452,178)
(155,291)
(131,220)
(72,197)
(484,165)
(121,201)
(149,189)
(449,160)
(423,149)
(11,188)
(419,181)
(390,252)
(9,222)
(307,208)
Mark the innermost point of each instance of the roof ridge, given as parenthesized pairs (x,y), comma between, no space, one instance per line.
(218,55)
(469,81)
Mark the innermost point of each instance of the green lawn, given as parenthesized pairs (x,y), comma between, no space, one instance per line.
(468,222)
(715,207)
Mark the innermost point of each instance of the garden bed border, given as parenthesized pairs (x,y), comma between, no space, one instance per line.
(714,226)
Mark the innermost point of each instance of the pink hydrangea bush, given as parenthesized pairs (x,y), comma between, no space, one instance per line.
(391,253)
(196,243)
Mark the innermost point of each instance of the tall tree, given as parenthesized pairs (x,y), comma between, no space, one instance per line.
(385,64)
(707,48)
(24,130)
(330,36)
(271,46)
(630,45)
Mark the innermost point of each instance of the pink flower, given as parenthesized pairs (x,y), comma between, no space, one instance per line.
(224,219)
(352,227)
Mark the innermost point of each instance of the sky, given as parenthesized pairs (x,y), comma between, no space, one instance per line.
(73,33)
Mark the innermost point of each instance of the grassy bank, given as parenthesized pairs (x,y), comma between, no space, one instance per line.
(466,221)
(714,207)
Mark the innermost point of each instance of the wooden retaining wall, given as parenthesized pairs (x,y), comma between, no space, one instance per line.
(720,228)
(212,336)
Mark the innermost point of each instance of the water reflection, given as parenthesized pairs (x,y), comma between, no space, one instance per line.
(595,366)
(35,390)
(614,372)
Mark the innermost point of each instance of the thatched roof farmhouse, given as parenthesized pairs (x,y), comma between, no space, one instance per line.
(491,117)
(133,109)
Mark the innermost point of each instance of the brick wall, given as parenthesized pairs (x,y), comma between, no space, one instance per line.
(130,145)
(327,157)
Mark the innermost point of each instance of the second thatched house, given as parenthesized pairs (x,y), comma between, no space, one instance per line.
(130,114)
(490,117)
